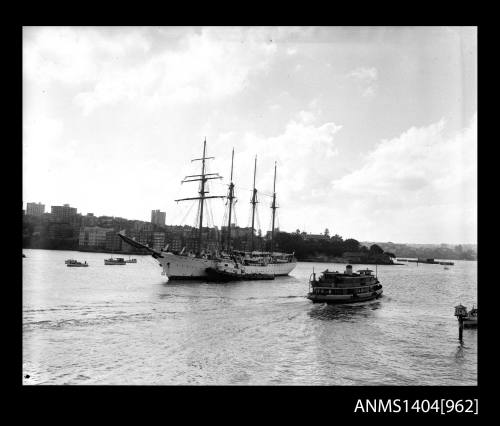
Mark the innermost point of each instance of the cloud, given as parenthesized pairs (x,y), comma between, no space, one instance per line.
(74,56)
(366,79)
(204,66)
(364,74)
(304,152)
(422,182)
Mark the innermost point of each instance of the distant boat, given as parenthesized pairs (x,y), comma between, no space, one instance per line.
(446,268)
(70,261)
(75,263)
(117,261)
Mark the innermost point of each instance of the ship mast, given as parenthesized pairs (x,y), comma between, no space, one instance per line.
(253,202)
(230,197)
(273,207)
(203,178)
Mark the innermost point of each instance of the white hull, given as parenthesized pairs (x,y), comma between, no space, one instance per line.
(185,267)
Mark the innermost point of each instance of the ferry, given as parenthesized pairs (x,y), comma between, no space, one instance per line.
(117,261)
(344,287)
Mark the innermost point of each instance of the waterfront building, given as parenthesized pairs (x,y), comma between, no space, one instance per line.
(35,209)
(63,213)
(89,220)
(175,244)
(93,236)
(105,221)
(158,217)
(60,231)
(158,240)
(113,241)
(139,225)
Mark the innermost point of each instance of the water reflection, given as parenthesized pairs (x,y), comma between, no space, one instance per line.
(181,283)
(347,312)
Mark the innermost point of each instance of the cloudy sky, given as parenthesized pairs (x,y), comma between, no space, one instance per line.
(374,129)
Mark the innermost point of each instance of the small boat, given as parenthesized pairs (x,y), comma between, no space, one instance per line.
(227,271)
(131,260)
(344,287)
(113,261)
(75,263)
(469,318)
(446,268)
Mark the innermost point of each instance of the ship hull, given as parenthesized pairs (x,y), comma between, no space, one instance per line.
(177,267)
(343,298)
(223,276)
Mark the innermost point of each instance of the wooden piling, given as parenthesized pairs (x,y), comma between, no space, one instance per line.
(460,328)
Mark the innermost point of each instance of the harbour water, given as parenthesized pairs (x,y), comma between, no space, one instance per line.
(125,325)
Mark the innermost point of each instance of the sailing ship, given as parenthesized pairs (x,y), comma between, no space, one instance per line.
(225,272)
(177,266)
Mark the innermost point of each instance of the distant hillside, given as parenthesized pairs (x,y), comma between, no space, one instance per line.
(436,251)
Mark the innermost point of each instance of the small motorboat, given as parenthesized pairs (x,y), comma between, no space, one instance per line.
(115,261)
(75,263)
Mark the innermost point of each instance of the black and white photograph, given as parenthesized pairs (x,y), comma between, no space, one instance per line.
(249,206)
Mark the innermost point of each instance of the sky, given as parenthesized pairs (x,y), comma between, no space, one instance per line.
(373,129)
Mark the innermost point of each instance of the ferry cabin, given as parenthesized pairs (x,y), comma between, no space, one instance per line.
(346,286)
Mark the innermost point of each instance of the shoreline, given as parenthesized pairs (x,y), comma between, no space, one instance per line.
(93,251)
(347,263)
(318,260)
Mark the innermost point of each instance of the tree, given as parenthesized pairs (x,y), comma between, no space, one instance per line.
(327,232)
(376,249)
(351,245)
